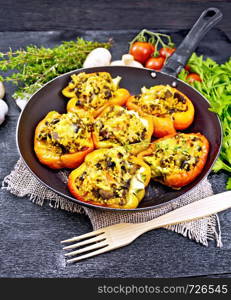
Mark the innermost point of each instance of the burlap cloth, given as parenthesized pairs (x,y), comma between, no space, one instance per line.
(21,182)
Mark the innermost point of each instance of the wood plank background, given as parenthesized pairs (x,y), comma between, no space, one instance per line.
(39,15)
(31,234)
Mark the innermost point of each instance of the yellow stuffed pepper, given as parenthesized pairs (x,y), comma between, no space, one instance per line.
(117,126)
(169,108)
(110,178)
(93,92)
(63,140)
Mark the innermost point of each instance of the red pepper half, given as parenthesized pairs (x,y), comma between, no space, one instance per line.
(176,160)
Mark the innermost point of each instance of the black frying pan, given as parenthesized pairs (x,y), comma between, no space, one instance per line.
(50,98)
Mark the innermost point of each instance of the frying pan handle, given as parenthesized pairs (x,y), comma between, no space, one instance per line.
(178,60)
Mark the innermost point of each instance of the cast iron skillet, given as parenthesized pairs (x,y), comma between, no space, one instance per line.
(50,98)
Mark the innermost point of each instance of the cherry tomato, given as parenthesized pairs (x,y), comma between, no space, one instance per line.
(187,68)
(152,48)
(141,51)
(155,63)
(166,52)
(193,77)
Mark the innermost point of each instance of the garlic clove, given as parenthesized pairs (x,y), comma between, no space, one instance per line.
(136,64)
(2,90)
(21,103)
(117,63)
(127,59)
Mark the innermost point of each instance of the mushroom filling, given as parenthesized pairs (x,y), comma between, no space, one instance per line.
(180,153)
(93,90)
(108,179)
(67,133)
(161,101)
(121,126)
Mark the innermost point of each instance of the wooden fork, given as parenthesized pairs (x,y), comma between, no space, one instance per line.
(119,235)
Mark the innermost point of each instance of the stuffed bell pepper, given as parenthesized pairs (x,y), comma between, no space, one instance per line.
(63,140)
(117,126)
(111,178)
(177,159)
(170,109)
(94,92)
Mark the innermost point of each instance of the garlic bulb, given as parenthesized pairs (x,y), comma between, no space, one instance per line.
(97,58)
(3,110)
(127,60)
(2,90)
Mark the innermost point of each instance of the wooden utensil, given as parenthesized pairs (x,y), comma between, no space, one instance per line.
(119,235)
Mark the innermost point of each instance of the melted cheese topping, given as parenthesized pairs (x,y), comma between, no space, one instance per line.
(93,90)
(161,101)
(172,155)
(68,133)
(109,178)
(120,126)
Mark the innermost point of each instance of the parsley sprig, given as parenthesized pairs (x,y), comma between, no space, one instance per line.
(216,87)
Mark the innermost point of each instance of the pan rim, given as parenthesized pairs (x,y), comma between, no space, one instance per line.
(104,208)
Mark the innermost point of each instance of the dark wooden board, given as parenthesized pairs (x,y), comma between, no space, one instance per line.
(31,247)
(30,234)
(105,14)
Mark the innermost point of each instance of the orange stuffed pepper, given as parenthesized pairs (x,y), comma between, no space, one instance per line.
(93,92)
(63,140)
(117,126)
(177,159)
(110,178)
(170,109)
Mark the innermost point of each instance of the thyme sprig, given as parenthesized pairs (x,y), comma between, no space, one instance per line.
(34,66)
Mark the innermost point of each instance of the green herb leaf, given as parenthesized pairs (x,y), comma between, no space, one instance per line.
(228,184)
(216,87)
